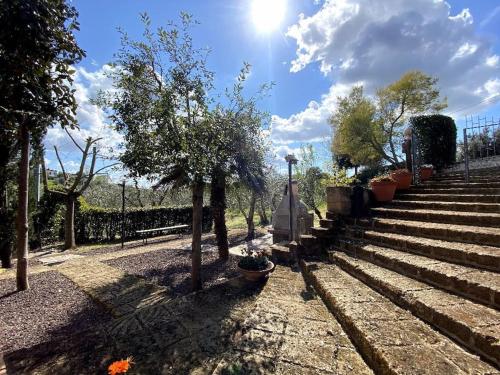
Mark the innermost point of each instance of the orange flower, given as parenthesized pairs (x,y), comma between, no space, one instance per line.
(120,367)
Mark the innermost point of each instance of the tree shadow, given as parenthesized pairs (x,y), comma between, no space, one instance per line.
(164,336)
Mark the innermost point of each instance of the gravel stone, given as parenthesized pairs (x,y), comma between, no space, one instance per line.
(54,307)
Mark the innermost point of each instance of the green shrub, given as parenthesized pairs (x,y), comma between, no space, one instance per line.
(437,136)
(93,224)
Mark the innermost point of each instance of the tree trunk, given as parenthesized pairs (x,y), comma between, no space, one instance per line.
(6,241)
(317,212)
(22,210)
(218,205)
(197,229)
(262,212)
(69,222)
(250,224)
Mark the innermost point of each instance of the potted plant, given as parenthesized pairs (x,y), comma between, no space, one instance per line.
(426,172)
(383,188)
(255,266)
(402,178)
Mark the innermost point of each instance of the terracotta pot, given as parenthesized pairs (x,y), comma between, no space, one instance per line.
(257,275)
(425,173)
(383,191)
(403,180)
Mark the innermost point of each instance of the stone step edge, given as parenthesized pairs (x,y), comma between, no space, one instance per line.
(456,206)
(454,328)
(488,219)
(438,251)
(412,228)
(462,286)
(372,354)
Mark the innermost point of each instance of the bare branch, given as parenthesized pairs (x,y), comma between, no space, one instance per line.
(82,167)
(46,180)
(62,166)
(73,139)
(91,172)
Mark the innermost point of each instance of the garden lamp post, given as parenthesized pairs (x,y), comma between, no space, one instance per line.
(290,159)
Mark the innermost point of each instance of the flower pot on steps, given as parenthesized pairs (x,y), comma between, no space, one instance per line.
(425,172)
(383,188)
(403,178)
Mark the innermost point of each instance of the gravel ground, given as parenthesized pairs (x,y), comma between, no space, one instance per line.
(172,268)
(53,308)
(235,237)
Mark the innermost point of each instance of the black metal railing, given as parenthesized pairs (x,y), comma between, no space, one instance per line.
(481,139)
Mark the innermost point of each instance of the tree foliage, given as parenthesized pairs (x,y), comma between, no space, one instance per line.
(37,50)
(369,130)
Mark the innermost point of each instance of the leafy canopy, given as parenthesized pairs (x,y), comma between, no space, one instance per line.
(369,130)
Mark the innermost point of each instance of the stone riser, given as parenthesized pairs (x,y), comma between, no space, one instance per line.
(390,339)
(436,250)
(461,185)
(485,220)
(461,179)
(460,286)
(452,190)
(433,232)
(452,323)
(449,198)
(446,206)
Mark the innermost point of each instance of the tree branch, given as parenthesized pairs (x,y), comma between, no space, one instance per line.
(73,139)
(62,166)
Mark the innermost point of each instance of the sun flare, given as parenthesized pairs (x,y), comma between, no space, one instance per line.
(267,15)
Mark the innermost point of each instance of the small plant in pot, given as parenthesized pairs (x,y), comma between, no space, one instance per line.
(402,178)
(383,187)
(255,265)
(426,172)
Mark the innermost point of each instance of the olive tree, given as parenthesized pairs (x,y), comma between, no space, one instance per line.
(37,50)
(74,185)
(161,105)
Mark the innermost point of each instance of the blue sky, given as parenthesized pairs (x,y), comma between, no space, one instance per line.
(317,52)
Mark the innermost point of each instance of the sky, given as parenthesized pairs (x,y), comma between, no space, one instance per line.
(313,51)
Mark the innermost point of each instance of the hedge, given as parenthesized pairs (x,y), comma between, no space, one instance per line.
(102,225)
(437,137)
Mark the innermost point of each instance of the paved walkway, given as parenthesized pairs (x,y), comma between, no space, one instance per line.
(282,328)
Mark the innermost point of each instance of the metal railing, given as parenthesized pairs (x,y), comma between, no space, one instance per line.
(481,140)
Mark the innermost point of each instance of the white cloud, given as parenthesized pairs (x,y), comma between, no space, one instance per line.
(492,60)
(375,42)
(310,125)
(91,119)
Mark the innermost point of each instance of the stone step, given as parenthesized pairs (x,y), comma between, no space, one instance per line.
(447,206)
(321,232)
(282,254)
(461,185)
(483,257)
(390,338)
(449,197)
(473,172)
(475,326)
(478,285)
(327,223)
(453,190)
(447,232)
(434,216)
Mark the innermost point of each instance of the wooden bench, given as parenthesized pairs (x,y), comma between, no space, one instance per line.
(144,232)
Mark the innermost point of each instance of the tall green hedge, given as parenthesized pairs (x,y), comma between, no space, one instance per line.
(101,225)
(437,136)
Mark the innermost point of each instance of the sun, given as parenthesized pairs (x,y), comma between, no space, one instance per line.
(267,15)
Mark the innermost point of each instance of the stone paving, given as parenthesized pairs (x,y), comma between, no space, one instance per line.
(236,327)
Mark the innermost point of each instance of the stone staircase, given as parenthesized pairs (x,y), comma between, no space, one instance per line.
(416,286)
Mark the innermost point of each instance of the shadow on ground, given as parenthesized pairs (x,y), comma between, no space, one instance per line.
(184,335)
